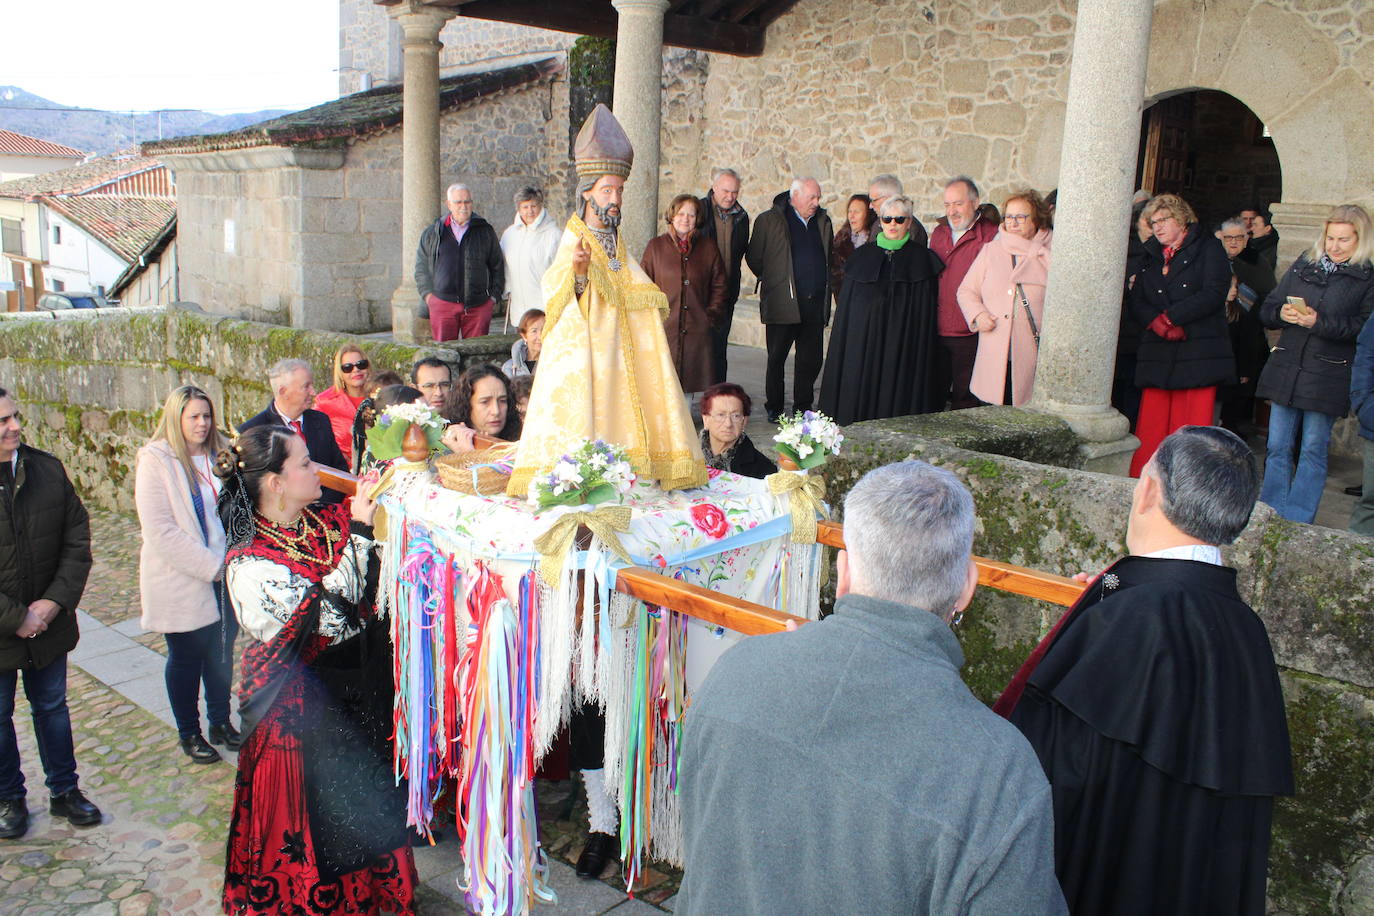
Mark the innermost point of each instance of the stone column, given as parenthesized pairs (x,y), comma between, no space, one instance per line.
(639,108)
(421,196)
(1297,224)
(1073,376)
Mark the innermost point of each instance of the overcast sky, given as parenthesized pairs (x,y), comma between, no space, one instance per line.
(241,56)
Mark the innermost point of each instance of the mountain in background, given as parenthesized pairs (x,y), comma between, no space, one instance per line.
(102,132)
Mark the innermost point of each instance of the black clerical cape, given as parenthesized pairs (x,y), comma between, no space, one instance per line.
(881,358)
(1156,711)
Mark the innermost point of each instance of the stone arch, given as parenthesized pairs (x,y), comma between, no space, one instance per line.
(1308,88)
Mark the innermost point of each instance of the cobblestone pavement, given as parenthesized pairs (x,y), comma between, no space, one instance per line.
(160,849)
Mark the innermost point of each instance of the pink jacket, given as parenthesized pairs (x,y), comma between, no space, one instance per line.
(175,567)
(990,286)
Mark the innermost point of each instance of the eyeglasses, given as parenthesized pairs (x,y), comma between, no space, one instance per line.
(895,219)
(727,417)
(462,203)
(346,368)
(1016,217)
(1162,219)
(440,386)
(1235,238)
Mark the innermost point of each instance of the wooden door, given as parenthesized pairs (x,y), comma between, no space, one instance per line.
(1166,166)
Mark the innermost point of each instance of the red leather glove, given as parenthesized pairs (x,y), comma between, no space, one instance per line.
(1165,328)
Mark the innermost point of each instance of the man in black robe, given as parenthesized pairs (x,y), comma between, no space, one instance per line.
(1155,706)
(883,346)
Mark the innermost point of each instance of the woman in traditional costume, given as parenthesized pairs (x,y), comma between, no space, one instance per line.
(606,371)
(318,823)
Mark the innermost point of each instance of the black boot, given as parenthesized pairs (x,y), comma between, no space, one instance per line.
(599,850)
(76,808)
(226,735)
(14,818)
(199,752)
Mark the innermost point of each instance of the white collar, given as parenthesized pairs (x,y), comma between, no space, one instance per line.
(288,420)
(1201,553)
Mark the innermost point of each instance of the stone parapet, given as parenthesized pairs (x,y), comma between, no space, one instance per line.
(1313,587)
(92,384)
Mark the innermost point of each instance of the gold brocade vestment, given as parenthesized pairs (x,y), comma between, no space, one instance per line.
(605,372)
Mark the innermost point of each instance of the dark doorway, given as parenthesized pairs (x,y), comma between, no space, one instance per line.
(1210,149)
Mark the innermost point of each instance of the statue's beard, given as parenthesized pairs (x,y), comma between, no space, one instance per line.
(609,215)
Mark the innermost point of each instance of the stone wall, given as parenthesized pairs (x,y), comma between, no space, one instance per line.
(91,385)
(316,238)
(370,43)
(1314,588)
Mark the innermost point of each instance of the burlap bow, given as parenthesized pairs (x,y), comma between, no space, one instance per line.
(808,491)
(555,544)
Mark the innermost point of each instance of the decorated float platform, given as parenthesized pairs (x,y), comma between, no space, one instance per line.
(505,614)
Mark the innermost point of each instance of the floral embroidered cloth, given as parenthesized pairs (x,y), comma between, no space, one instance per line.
(729,536)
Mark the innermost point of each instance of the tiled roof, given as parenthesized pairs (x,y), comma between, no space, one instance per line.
(78,178)
(148,254)
(359,114)
(24,145)
(125,224)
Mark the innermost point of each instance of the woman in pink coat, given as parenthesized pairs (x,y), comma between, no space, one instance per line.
(1003,299)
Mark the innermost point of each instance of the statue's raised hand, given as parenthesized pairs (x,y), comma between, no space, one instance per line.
(581,258)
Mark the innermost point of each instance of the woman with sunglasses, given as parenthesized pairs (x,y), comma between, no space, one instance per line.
(1003,299)
(883,344)
(340,401)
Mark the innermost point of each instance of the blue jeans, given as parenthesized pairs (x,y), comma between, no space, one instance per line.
(1295,493)
(195,657)
(46,689)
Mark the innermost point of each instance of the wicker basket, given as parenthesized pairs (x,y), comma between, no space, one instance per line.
(471,472)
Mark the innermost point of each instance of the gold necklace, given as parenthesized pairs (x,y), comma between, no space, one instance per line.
(294,545)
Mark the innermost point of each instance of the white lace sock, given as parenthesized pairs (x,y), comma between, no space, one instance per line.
(600,805)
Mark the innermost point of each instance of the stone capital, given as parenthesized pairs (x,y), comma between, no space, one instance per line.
(640,7)
(420,23)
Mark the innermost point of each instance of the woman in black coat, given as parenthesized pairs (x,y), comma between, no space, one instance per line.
(725,410)
(1179,298)
(881,358)
(1307,378)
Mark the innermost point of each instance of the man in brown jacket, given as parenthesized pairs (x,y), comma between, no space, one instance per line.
(45,556)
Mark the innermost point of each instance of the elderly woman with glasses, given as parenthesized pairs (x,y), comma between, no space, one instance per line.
(1003,299)
(1179,299)
(725,410)
(883,344)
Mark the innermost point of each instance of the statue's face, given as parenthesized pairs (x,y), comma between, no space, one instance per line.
(605,197)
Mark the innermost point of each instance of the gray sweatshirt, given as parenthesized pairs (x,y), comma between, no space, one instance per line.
(846,768)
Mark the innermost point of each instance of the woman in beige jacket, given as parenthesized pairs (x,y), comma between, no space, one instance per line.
(1003,299)
(181,563)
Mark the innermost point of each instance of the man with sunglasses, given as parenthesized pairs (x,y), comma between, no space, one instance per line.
(790,253)
(957,240)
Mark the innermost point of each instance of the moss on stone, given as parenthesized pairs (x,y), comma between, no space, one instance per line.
(1008,431)
(1326,827)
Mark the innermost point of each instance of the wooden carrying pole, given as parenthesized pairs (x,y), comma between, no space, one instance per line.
(755,619)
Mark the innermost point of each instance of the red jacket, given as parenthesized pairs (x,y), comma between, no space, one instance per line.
(958,259)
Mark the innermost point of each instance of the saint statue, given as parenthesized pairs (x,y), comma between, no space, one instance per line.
(605,371)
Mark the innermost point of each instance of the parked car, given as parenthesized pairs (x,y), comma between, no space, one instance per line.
(73,300)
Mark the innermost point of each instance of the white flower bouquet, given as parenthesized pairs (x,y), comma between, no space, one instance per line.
(807,439)
(594,472)
(385,438)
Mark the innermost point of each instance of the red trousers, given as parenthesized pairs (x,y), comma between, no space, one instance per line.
(1162,411)
(452,320)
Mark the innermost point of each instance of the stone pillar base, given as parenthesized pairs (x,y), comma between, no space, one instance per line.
(1297,225)
(406,324)
(1109,457)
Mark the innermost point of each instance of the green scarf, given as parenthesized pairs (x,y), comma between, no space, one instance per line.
(891,244)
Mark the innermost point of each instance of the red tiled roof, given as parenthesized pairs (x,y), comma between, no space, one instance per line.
(125,224)
(24,145)
(78,179)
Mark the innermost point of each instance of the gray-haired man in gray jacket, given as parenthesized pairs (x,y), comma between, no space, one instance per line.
(845,767)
